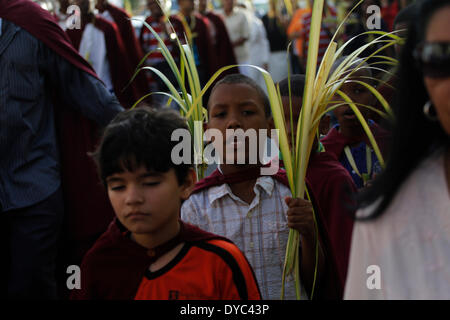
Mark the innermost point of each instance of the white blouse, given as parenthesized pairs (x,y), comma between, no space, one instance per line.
(405,253)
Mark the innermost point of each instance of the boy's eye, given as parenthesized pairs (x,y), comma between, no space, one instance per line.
(151,184)
(219,114)
(248,112)
(117,187)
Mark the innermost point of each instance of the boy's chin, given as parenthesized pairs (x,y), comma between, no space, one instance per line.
(140,230)
(139,227)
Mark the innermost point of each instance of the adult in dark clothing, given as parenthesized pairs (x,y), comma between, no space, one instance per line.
(39,67)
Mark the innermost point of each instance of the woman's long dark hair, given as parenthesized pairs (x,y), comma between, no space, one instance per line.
(414,136)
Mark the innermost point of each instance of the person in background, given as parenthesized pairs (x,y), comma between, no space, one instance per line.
(61,13)
(223,47)
(360,26)
(347,140)
(401,236)
(391,8)
(238,28)
(100,43)
(198,34)
(327,30)
(258,46)
(133,49)
(44,140)
(294,33)
(168,32)
(275,24)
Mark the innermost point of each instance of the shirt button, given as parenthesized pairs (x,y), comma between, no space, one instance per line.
(251,245)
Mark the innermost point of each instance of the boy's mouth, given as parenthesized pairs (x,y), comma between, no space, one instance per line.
(136,214)
(349,115)
(234,142)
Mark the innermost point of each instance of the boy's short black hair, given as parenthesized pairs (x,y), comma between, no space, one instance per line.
(297,86)
(138,137)
(238,78)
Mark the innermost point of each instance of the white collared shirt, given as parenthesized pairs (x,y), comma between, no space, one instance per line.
(259,229)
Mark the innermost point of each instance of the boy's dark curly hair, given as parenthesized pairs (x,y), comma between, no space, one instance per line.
(138,137)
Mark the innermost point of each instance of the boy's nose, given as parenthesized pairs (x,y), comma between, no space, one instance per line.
(134,196)
(234,123)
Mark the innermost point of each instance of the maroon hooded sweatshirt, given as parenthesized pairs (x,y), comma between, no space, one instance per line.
(120,263)
(131,44)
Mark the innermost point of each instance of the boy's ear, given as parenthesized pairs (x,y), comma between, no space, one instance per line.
(189,184)
(205,126)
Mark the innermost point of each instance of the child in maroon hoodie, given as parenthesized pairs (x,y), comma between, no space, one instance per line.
(147,252)
(347,140)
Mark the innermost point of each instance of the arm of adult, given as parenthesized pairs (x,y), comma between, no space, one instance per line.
(77,88)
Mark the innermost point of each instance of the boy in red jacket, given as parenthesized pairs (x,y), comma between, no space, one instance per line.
(147,252)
